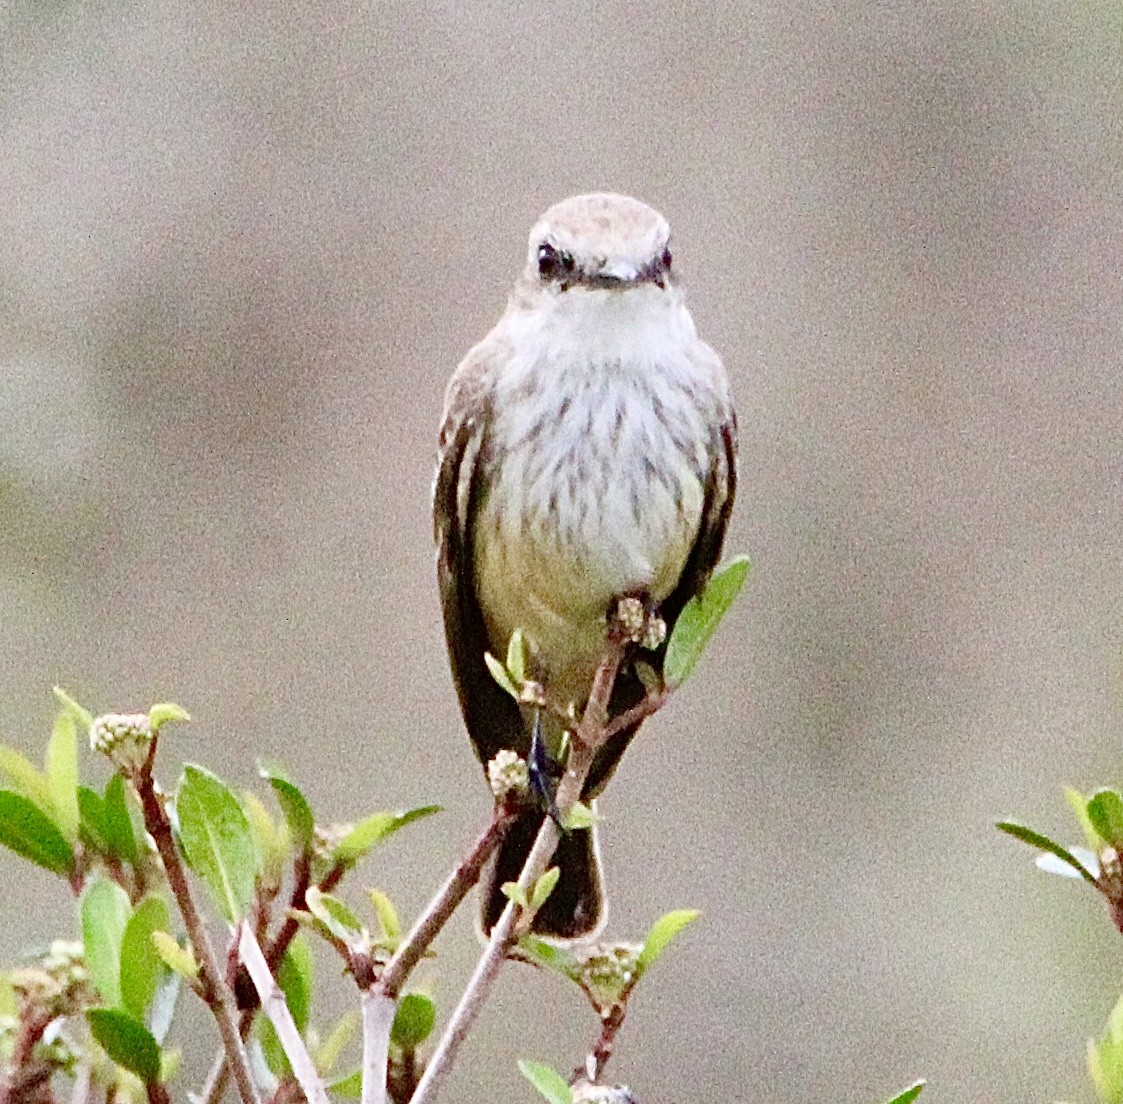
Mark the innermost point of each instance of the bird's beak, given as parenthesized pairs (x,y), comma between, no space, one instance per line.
(619,272)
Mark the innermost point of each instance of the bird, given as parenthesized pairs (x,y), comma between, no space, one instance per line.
(587,451)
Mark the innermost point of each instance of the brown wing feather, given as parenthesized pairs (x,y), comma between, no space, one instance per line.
(491,716)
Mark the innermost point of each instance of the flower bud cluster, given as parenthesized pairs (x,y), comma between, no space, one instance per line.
(607,970)
(124,737)
(508,775)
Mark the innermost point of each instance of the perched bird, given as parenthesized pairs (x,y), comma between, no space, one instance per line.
(587,452)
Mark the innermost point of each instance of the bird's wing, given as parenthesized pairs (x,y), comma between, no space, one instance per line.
(720,490)
(490,714)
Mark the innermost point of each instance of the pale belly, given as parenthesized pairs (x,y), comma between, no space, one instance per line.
(587,510)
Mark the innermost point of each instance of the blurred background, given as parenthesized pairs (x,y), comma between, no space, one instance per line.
(240,253)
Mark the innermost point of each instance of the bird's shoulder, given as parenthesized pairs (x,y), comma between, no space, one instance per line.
(468,395)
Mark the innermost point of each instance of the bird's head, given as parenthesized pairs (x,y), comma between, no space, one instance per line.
(602,242)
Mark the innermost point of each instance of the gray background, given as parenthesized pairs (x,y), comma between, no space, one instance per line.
(240,254)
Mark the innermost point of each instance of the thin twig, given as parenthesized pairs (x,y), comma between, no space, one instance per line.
(274,1006)
(217,1079)
(379,999)
(216,994)
(587,740)
(378,1017)
(219,1075)
(436,915)
(611,1022)
(651,703)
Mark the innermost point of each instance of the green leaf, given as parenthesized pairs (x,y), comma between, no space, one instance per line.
(662,932)
(177,958)
(1078,803)
(550,956)
(544,886)
(515,892)
(335,916)
(413,1021)
(1105,1058)
(127,1042)
(105,913)
(120,837)
(350,1086)
(62,774)
(580,816)
(516,657)
(294,976)
(1044,843)
(547,1081)
(82,716)
(30,832)
(909,1095)
(141,964)
(217,841)
(374,830)
(271,839)
(499,673)
(164,712)
(91,819)
(328,1052)
(1105,814)
(699,620)
(26,779)
(294,805)
(388,920)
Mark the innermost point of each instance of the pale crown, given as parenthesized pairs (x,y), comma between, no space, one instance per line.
(602,240)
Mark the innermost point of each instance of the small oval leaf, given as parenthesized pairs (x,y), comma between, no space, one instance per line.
(388,920)
(120,837)
(700,618)
(909,1095)
(374,830)
(141,964)
(105,914)
(349,1086)
(336,917)
(516,656)
(217,841)
(662,932)
(164,712)
(62,774)
(547,1081)
(127,1042)
(177,958)
(544,886)
(26,779)
(499,673)
(1105,813)
(30,832)
(413,1021)
(1044,843)
(294,805)
(82,715)
(550,956)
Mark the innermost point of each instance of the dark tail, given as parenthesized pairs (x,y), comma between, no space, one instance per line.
(576,908)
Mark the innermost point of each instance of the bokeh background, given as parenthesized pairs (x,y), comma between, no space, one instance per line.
(242,249)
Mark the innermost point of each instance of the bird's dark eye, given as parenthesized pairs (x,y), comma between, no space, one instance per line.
(552,263)
(665,260)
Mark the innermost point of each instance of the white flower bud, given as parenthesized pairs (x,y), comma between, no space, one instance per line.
(124,737)
(507,774)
